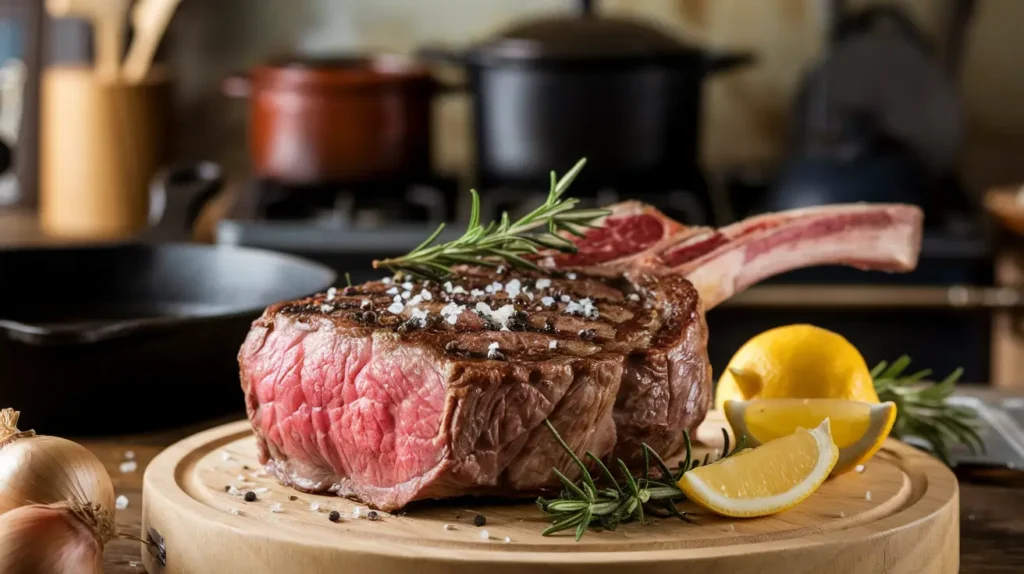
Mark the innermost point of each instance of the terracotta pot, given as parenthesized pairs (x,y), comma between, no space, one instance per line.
(338,120)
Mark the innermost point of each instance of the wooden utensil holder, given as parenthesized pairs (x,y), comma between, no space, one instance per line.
(100,143)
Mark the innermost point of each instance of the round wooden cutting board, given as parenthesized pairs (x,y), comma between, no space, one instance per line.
(899,515)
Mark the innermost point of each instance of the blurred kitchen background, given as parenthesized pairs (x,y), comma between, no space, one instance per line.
(345,129)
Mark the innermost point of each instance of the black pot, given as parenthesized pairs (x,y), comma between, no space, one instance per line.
(622,94)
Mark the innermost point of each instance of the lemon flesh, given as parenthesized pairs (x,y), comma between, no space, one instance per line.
(796,361)
(858,428)
(765,480)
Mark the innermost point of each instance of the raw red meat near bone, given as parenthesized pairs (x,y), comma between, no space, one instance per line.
(397,391)
(632,230)
(722,262)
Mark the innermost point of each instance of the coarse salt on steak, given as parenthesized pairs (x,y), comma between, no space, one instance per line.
(396,391)
(367,394)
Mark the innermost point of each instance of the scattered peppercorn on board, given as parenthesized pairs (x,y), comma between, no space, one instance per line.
(211,509)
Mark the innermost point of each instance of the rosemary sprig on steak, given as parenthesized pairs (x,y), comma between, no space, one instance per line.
(605,501)
(505,242)
(922,408)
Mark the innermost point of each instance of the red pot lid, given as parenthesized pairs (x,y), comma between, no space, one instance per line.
(582,38)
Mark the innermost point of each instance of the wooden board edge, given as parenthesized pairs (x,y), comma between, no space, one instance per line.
(932,516)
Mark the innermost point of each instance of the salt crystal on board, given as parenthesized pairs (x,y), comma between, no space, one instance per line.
(276,507)
(128,466)
(859,468)
(484,535)
(121,503)
(867,496)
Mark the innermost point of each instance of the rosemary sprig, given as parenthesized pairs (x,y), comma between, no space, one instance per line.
(505,241)
(923,410)
(585,504)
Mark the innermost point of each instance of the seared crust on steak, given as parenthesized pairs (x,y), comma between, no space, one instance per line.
(401,391)
(375,391)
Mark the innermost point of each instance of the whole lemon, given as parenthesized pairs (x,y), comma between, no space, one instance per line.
(796,361)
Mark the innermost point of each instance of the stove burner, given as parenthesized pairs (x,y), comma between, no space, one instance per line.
(365,206)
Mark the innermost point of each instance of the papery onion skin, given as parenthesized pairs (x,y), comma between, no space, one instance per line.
(37,469)
(54,539)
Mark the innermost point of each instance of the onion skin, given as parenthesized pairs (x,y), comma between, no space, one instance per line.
(49,469)
(54,539)
(36,469)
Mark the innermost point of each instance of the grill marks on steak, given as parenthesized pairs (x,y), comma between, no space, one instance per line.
(377,392)
(359,406)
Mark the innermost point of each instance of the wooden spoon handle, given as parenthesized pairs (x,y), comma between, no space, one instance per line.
(150,19)
(108,45)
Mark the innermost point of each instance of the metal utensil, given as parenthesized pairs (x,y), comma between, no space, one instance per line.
(150,19)
(108,18)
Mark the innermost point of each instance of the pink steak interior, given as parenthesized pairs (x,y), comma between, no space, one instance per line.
(369,415)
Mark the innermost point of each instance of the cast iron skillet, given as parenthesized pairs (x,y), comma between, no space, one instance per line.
(135,336)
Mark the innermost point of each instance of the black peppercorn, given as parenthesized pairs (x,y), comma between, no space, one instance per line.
(519,321)
(479,520)
(245,467)
(369,316)
(588,334)
(227,487)
(250,496)
(372,515)
(348,291)
(334,516)
(293,498)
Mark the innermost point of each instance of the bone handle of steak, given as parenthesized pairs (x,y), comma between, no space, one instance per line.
(884,238)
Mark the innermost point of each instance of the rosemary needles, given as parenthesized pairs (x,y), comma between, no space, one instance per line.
(607,500)
(503,242)
(923,410)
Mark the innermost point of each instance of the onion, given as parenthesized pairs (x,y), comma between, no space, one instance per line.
(62,538)
(40,470)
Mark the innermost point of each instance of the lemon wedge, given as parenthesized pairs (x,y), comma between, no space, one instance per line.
(796,361)
(767,479)
(858,428)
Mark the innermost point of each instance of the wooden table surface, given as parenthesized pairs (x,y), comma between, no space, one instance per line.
(991,527)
